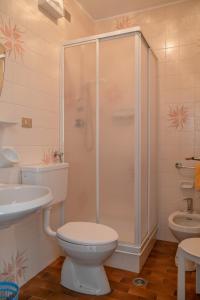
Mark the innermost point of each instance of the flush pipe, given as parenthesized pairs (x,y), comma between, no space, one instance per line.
(62,213)
(46,224)
(47,218)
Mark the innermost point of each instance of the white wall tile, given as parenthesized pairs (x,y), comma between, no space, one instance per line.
(31,89)
(173,33)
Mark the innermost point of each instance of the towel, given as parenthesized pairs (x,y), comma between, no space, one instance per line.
(197,177)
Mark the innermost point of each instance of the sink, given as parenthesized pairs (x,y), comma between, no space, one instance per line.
(18,201)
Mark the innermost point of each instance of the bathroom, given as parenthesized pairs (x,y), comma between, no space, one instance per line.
(51,101)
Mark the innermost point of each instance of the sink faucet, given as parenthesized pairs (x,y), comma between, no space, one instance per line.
(189,204)
(58,155)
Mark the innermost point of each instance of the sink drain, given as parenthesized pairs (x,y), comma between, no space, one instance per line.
(140,282)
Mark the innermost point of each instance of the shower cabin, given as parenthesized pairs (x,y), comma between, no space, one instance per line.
(108,135)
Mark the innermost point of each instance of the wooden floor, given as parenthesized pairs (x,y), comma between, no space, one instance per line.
(159,270)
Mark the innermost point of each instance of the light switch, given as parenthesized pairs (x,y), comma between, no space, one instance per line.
(26,122)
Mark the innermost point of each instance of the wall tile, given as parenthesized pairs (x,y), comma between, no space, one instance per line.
(173,33)
(31,89)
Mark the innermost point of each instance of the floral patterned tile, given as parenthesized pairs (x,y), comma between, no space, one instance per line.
(15,269)
(178,116)
(11,36)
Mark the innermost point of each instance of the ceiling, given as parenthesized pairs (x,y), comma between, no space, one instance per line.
(100,9)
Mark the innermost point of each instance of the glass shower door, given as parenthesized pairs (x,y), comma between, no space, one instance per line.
(79,130)
(116,134)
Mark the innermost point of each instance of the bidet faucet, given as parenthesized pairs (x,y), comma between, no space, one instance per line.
(189,204)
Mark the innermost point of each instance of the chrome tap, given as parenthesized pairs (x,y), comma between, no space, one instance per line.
(58,155)
(189,204)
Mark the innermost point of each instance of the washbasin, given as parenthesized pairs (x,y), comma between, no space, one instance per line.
(18,201)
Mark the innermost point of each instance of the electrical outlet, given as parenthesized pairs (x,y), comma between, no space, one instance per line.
(26,122)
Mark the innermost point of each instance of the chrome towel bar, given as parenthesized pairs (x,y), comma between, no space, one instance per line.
(179,165)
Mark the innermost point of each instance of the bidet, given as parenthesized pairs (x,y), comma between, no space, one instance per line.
(184,225)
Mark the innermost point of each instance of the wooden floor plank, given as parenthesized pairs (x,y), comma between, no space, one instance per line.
(159,270)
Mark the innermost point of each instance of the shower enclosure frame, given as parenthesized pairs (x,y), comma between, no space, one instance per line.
(137,252)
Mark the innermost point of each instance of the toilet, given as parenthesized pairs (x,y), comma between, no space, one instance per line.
(86,244)
(184,225)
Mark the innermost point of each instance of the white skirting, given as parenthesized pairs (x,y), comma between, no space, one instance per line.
(132,258)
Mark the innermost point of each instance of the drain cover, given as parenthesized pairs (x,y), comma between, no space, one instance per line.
(140,282)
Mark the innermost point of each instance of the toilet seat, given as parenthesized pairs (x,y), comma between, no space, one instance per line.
(87,233)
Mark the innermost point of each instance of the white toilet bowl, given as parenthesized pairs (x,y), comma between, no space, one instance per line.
(184,225)
(87,246)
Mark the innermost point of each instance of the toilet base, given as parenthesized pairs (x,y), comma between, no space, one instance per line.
(86,279)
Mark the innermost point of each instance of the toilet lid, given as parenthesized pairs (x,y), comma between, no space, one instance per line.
(86,233)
